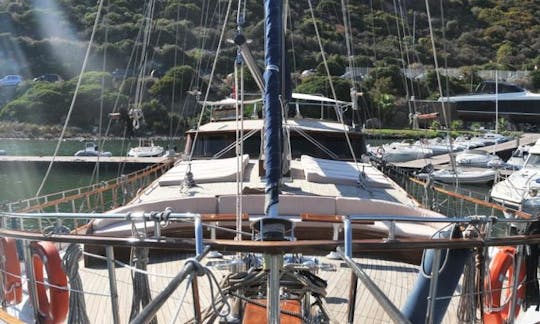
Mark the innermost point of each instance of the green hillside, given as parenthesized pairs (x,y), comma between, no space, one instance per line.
(38,37)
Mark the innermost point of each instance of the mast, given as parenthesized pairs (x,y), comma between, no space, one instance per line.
(271,227)
(272,106)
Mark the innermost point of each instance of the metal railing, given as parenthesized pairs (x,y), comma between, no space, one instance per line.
(94,198)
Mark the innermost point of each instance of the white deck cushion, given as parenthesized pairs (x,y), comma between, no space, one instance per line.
(341,172)
(204,171)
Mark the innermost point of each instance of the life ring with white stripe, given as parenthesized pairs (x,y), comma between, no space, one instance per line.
(502,267)
(11,271)
(45,255)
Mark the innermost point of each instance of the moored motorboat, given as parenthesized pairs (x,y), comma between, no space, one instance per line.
(461,176)
(146,148)
(522,188)
(478,158)
(273,208)
(401,152)
(518,158)
(91,149)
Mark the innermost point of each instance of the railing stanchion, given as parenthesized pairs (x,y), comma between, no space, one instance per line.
(433,285)
(112,283)
(518,260)
(32,291)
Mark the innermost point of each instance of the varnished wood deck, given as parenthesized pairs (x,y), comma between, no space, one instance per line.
(395,279)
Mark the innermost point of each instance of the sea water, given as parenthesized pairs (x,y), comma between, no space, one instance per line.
(22,180)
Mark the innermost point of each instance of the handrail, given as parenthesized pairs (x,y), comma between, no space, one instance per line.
(84,192)
(484,203)
(170,215)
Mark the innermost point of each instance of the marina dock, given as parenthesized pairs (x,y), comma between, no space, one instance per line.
(82,159)
(525,139)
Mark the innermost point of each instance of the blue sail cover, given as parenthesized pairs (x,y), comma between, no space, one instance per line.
(272,106)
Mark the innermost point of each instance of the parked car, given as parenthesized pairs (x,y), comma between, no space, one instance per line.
(49,77)
(11,80)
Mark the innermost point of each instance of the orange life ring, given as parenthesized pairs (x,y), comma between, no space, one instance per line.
(501,268)
(45,254)
(11,271)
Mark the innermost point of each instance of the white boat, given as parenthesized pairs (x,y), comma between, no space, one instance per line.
(522,188)
(91,149)
(146,148)
(461,176)
(273,196)
(518,158)
(478,158)
(441,145)
(512,102)
(491,138)
(400,152)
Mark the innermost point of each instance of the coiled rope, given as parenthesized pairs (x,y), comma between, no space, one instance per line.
(141,287)
(77,305)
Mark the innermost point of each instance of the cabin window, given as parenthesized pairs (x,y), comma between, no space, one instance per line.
(208,146)
(533,161)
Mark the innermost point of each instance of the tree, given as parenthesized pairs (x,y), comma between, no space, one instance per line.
(178,79)
(534,78)
(319,85)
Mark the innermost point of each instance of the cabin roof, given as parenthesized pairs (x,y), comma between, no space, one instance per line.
(250,124)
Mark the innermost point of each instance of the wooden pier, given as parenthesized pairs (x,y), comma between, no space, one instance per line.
(525,139)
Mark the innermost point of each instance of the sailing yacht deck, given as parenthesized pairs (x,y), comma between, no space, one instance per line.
(219,178)
(395,279)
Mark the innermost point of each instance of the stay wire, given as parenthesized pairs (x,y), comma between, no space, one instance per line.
(72,105)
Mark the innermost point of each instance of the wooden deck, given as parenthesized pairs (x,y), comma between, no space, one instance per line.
(395,279)
(525,139)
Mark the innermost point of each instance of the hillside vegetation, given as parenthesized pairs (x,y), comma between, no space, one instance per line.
(38,37)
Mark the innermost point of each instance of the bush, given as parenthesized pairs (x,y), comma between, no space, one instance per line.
(179,79)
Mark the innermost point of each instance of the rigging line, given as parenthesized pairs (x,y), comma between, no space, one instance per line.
(323,55)
(207,94)
(347,25)
(102,98)
(336,107)
(173,92)
(406,32)
(443,29)
(238,152)
(71,107)
(182,115)
(233,145)
(402,44)
(180,302)
(315,142)
(439,84)
(240,207)
(139,90)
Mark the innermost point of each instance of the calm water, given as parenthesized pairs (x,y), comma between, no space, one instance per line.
(22,180)
(19,181)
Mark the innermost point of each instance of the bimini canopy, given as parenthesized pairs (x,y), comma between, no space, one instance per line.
(296,96)
(309,97)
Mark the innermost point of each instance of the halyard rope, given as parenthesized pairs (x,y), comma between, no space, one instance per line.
(77,305)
